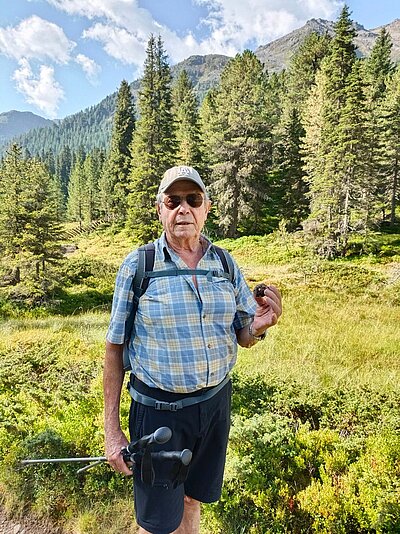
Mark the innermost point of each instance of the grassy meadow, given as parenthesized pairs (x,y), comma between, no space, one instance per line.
(315,443)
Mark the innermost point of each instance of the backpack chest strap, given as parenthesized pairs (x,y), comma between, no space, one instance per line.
(179,272)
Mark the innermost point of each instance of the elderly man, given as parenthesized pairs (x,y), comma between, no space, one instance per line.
(183,345)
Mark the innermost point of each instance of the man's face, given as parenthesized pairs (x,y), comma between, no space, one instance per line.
(184,222)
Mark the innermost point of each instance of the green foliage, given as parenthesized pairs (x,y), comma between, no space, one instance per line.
(237,142)
(153,147)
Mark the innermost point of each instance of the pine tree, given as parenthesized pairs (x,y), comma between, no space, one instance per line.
(304,66)
(154,144)
(378,71)
(114,183)
(63,169)
(238,142)
(76,190)
(289,187)
(91,200)
(29,229)
(13,180)
(185,110)
(39,242)
(390,143)
(326,123)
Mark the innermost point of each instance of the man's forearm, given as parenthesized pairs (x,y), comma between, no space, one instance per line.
(113,377)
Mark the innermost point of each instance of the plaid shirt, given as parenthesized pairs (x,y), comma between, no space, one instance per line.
(183,337)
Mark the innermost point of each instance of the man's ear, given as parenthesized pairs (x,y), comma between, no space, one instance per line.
(158,208)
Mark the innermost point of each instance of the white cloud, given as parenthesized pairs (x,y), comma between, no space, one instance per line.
(36,38)
(89,66)
(234,24)
(43,91)
(231,25)
(119,43)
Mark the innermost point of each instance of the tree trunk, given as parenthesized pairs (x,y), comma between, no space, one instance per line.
(394,193)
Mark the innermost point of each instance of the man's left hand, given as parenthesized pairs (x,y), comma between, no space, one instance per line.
(269,309)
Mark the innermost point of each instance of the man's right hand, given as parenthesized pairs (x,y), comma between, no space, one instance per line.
(115,442)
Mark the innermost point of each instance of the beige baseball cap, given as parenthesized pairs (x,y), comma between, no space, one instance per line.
(180,172)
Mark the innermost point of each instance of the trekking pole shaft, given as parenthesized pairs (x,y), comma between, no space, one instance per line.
(63,460)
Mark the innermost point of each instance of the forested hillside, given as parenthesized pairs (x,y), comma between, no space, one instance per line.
(91,128)
(14,123)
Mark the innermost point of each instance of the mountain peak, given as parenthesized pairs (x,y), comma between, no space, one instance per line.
(14,123)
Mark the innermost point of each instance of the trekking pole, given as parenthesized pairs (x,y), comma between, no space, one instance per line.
(135,452)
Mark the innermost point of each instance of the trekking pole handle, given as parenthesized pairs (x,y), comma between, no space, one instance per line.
(159,436)
(185,456)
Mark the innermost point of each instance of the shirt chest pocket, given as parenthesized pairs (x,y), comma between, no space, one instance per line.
(219,298)
(165,298)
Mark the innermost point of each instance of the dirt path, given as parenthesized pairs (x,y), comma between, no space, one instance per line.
(25,526)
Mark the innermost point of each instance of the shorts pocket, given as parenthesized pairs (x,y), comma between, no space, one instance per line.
(136,417)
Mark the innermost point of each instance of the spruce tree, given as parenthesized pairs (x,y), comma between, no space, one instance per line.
(238,141)
(328,132)
(13,180)
(378,70)
(39,242)
(304,66)
(186,115)
(389,123)
(29,228)
(153,147)
(114,183)
(289,187)
(76,191)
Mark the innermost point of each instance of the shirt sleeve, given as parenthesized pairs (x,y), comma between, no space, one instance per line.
(245,302)
(122,299)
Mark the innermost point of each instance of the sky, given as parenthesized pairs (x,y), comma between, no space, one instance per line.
(58,57)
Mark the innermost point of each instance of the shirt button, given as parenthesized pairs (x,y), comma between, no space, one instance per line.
(209,345)
(204,315)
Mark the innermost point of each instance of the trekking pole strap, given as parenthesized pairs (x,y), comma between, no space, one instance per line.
(179,404)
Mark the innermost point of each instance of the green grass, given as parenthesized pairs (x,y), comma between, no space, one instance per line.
(332,360)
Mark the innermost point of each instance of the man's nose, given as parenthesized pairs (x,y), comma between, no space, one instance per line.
(183,206)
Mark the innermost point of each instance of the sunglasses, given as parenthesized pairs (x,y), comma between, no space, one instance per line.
(195,200)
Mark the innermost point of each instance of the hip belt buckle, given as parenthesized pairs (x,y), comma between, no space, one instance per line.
(166,406)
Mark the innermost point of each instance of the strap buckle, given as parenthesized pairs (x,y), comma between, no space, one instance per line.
(166,406)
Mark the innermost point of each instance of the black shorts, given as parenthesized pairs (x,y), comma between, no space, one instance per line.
(203,428)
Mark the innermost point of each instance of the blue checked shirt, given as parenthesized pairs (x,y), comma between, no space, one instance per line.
(184,337)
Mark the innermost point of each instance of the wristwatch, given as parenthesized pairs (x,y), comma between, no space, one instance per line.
(258,338)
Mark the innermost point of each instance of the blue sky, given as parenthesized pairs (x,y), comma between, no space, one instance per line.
(58,57)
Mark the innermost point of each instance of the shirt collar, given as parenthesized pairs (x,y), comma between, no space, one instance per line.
(168,252)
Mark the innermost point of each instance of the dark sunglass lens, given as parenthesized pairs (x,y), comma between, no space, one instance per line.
(172,202)
(194,200)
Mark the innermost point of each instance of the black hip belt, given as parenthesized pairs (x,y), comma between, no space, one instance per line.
(178,404)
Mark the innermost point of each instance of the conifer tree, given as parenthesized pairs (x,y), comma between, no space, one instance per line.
(63,169)
(304,66)
(91,171)
(153,147)
(289,187)
(42,230)
(378,70)
(13,180)
(114,183)
(76,191)
(238,141)
(29,229)
(185,110)
(328,131)
(390,143)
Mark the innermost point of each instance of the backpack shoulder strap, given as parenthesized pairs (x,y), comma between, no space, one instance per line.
(227,262)
(146,255)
